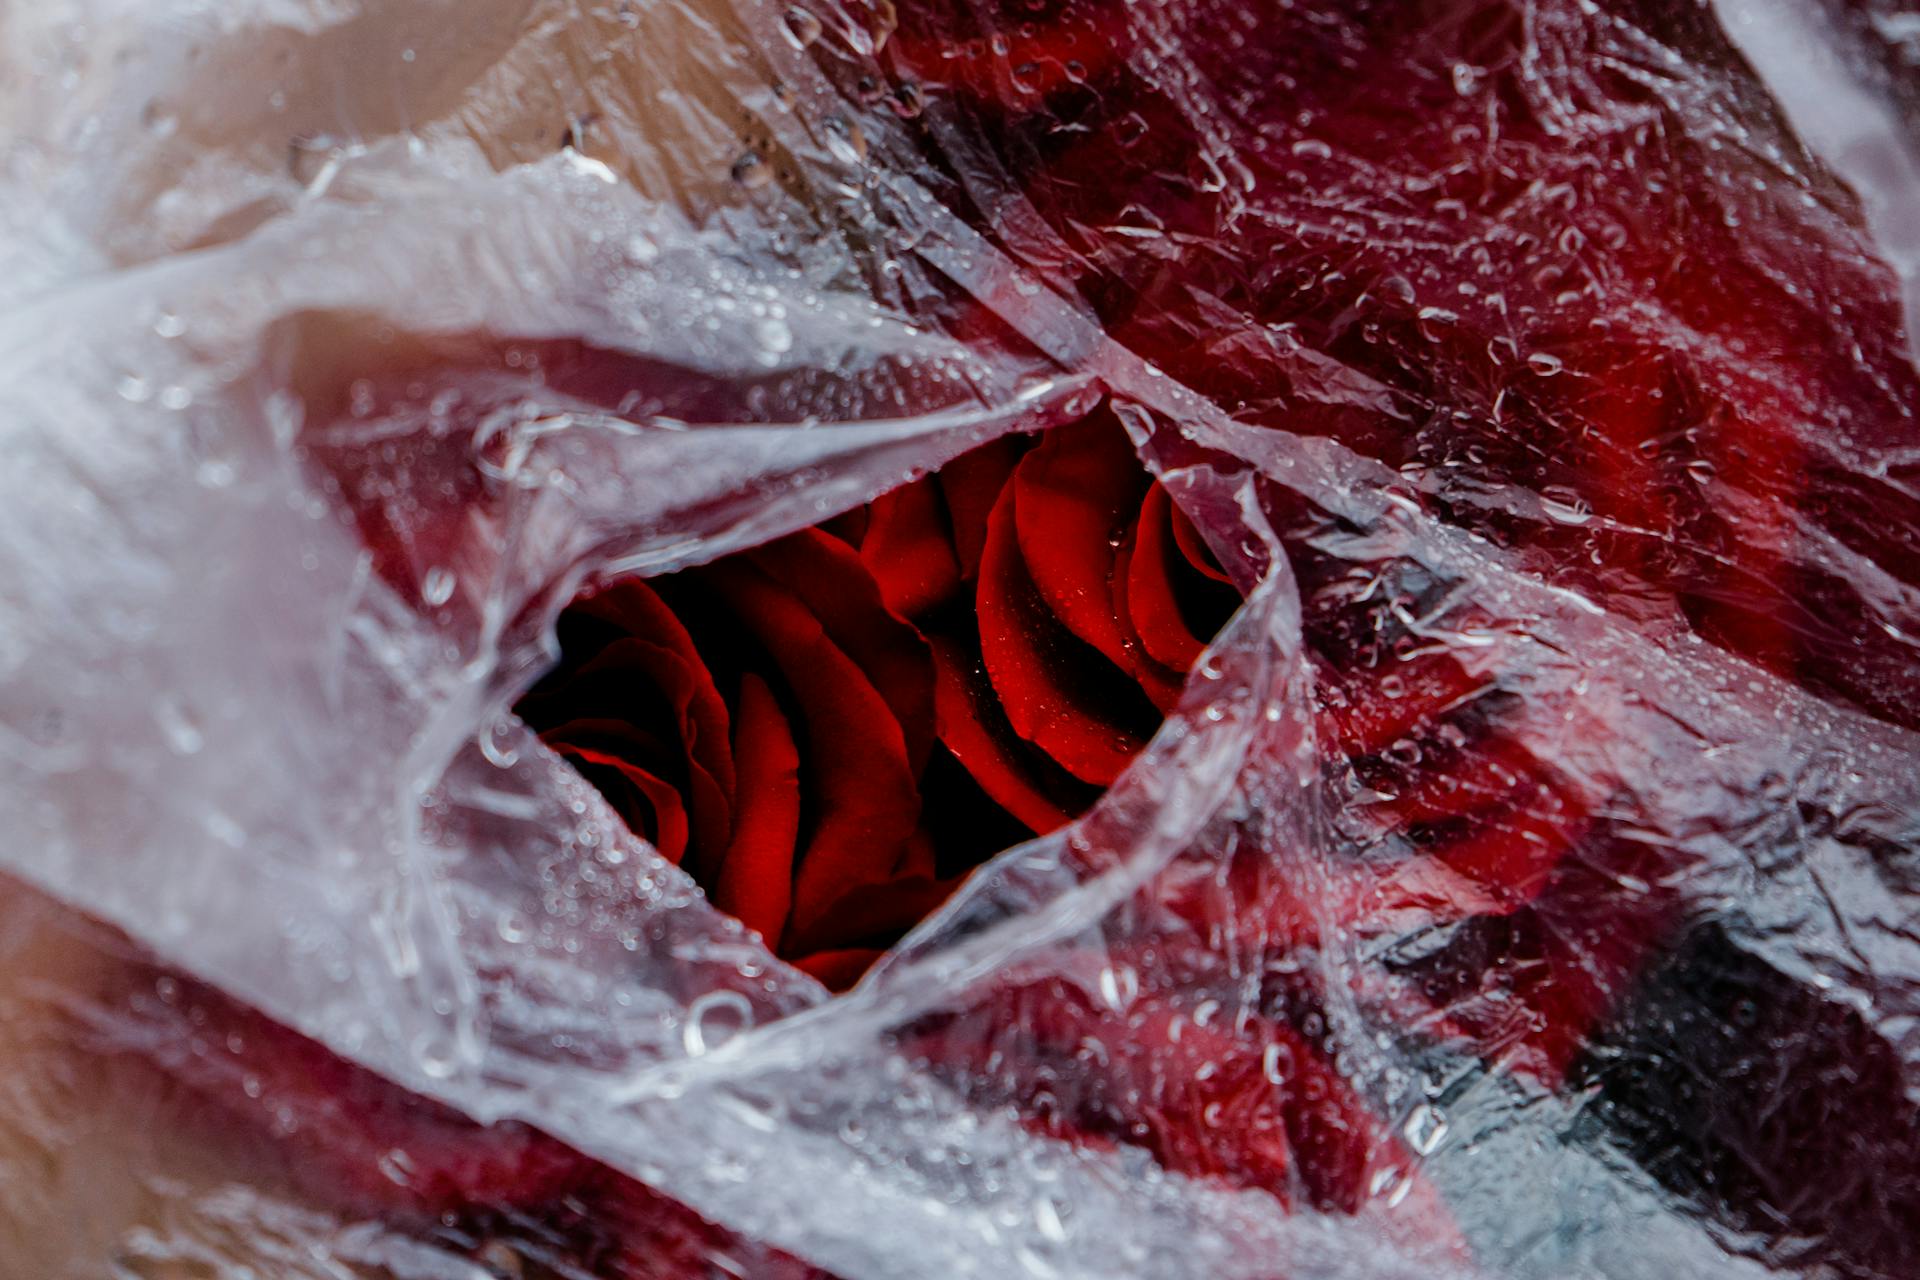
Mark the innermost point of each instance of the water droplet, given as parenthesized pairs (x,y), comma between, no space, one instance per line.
(714,1019)
(1431,320)
(845,141)
(802,27)
(1034,1264)
(177,722)
(752,171)
(1426,1129)
(175,398)
(496,743)
(1545,363)
(775,337)
(134,389)
(1564,506)
(1048,1219)
(437,1050)
(908,101)
(436,588)
(162,123)
(225,829)
(1119,987)
(502,1259)
(397,1165)
(168,325)
(1032,388)
(512,926)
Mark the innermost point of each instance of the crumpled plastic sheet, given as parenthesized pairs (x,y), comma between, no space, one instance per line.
(297,481)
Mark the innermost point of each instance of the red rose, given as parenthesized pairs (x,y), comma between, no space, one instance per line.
(829,731)
(1015,625)
(766,723)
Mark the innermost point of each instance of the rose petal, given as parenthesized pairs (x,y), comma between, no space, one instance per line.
(343,1131)
(634,607)
(1032,788)
(1193,546)
(648,648)
(876,914)
(647,703)
(1498,865)
(909,549)
(1075,494)
(916,856)
(841,593)
(1249,1101)
(665,823)
(1058,693)
(755,881)
(857,784)
(604,729)
(971,484)
(1152,603)
(849,526)
(839,970)
(1162,685)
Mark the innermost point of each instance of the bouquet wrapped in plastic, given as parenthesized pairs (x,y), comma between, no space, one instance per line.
(678,638)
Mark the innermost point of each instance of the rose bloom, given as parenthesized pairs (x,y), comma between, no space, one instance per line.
(828,732)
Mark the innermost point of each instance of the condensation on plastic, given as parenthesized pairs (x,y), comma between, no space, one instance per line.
(271,265)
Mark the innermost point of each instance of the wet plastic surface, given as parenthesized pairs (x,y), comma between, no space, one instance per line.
(1523,884)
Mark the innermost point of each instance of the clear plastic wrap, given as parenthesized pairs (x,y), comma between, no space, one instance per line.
(1523,884)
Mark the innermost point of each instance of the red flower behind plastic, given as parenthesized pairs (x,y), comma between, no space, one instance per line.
(1454,240)
(830,731)
(287,1110)
(765,722)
